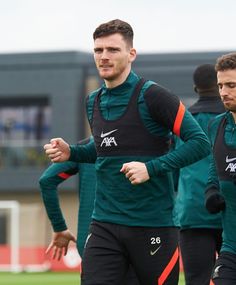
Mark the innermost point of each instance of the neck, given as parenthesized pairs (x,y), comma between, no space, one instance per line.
(209,92)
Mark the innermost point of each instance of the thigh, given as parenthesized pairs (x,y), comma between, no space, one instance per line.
(104,260)
(198,251)
(130,277)
(154,255)
(218,239)
(224,272)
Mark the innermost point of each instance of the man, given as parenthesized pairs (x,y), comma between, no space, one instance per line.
(54,175)
(200,232)
(221,182)
(131,121)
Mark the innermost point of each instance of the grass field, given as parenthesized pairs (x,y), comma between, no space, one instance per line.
(49,278)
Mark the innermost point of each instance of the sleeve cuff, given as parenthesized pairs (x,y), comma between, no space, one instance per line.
(72,153)
(59,227)
(150,168)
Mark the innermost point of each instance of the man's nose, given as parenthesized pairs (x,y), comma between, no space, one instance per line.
(104,55)
(223,91)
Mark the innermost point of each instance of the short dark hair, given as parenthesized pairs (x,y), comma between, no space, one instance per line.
(226,62)
(113,27)
(205,77)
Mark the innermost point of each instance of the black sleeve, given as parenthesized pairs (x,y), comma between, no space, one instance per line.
(162,105)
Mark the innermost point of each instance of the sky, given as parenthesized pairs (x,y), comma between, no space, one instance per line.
(160,26)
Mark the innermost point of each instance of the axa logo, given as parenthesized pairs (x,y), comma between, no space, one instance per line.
(107,139)
(231,166)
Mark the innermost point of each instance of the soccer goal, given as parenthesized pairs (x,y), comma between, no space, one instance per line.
(10,252)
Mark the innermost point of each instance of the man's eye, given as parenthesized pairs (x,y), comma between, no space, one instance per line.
(98,51)
(113,50)
(232,85)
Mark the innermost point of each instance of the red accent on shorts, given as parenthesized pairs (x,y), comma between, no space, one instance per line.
(166,272)
(179,119)
(64,175)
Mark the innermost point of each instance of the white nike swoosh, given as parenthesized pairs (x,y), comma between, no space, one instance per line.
(155,251)
(229,159)
(217,268)
(88,237)
(108,133)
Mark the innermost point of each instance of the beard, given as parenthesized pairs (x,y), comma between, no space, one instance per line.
(230,107)
(113,72)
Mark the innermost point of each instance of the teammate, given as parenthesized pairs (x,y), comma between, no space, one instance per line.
(131,121)
(221,187)
(200,232)
(54,175)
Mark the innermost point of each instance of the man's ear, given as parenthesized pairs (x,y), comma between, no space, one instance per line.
(195,89)
(132,54)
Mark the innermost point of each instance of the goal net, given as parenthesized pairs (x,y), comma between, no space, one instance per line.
(10,251)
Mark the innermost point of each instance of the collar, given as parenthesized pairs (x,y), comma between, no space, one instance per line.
(129,83)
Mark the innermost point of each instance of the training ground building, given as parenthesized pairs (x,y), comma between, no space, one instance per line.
(42,95)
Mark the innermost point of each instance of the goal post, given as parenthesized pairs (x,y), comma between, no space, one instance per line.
(12,208)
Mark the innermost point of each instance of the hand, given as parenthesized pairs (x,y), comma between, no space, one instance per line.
(57,150)
(214,201)
(59,244)
(136,172)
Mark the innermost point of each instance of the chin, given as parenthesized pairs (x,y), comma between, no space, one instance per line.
(105,75)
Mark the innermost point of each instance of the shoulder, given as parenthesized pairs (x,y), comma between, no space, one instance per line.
(213,126)
(153,87)
(159,98)
(159,94)
(216,120)
(90,98)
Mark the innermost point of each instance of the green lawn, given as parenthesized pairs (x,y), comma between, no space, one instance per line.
(49,278)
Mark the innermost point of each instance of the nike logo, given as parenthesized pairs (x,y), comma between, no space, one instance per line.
(108,133)
(216,272)
(217,268)
(229,159)
(155,251)
(88,237)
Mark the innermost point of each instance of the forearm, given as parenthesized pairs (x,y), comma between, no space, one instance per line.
(52,206)
(83,153)
(213,181)
(178,159)
(195,147)
(48,182)
(188,153)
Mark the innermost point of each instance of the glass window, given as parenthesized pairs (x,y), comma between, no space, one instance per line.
(25,125)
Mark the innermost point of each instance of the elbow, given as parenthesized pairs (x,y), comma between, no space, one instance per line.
(204,147)
(43,182)
(207,147)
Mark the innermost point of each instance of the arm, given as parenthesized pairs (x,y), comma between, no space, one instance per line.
(49,181)
(169,113)
(214,201)
(195,147)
